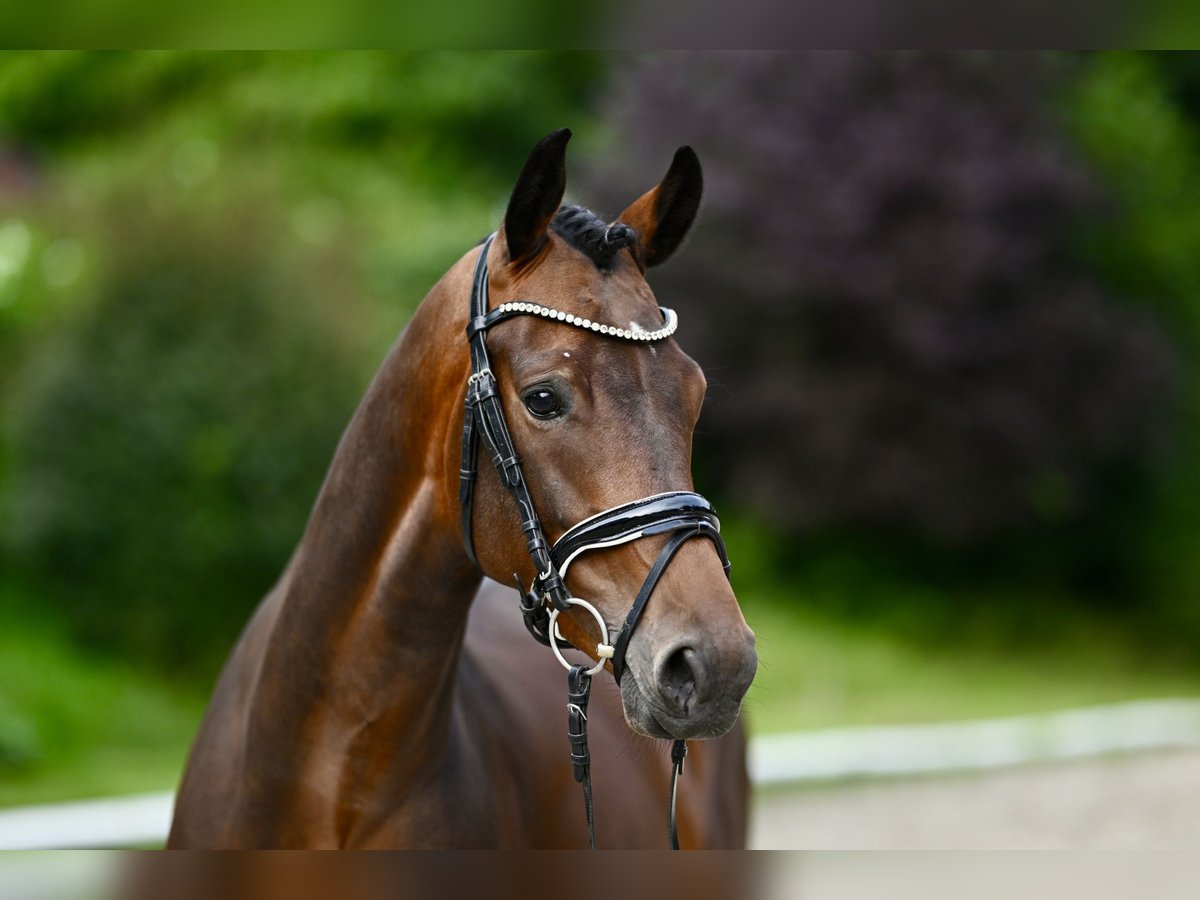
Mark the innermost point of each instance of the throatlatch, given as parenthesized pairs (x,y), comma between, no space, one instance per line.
(681,514)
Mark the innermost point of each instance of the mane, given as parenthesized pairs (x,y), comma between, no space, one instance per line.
(587,232)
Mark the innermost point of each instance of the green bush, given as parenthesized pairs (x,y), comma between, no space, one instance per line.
(1137,116)
(201,261)
(168,439)
(19,744)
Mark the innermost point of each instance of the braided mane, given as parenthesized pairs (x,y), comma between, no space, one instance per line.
(586,231)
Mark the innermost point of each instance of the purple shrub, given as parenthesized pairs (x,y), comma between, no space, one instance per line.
(883,292)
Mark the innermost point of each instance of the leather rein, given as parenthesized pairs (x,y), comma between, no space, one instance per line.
(681,514)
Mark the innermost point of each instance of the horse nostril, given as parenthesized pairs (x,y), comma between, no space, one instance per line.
(677,678)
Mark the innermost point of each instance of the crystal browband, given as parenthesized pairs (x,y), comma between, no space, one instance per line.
(536,309)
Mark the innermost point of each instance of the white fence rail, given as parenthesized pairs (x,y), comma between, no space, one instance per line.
(980,744)
(775,760)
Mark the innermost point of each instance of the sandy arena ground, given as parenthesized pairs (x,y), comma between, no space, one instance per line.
(1143,801)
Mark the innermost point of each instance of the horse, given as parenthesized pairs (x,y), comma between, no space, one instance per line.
(385,693)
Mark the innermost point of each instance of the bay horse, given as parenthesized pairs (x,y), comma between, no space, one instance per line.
(380,696)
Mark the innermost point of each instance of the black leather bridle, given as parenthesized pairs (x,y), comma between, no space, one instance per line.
(680,514)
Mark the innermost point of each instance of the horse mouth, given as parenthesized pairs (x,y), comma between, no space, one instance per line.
(644,716)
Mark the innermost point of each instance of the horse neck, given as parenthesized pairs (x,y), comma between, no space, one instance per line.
(372,609)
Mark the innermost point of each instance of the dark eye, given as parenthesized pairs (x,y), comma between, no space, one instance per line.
(542,403)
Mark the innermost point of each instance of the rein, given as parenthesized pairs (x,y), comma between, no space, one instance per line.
(682,514)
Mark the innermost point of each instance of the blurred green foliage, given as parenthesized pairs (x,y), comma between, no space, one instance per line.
(199,383)
(1137,117)
(204,255)
(76,724)
(202,259)
(468,23)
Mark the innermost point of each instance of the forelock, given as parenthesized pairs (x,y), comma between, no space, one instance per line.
(587,232)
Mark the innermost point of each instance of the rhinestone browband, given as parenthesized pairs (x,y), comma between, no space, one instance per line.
(672,321)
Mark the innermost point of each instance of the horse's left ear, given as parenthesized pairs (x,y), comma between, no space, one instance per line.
(663,215)
(537,196)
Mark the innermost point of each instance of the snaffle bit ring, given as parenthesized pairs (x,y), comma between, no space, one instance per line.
(603,650)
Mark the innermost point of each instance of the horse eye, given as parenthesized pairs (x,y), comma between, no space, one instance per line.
(542,403)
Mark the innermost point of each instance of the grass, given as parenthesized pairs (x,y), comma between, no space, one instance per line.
(74,725)
(851,639)
(817,672)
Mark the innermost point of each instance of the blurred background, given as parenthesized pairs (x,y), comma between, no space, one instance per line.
(948,305)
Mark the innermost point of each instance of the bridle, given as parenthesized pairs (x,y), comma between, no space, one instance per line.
(681,514)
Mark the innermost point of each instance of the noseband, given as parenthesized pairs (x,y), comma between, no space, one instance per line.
(680,514)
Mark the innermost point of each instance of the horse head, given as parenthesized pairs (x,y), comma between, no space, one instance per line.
(601,415)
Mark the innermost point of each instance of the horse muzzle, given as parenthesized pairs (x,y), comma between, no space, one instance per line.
(691,688)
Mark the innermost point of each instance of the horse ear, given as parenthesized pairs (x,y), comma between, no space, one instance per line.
(663,215)
(537,196)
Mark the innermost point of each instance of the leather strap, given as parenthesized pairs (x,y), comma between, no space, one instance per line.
(656,514)
(483,419)
(639,605)
(579,688)
(678,754)
(470,438)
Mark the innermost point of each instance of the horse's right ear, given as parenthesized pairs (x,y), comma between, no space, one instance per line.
(662,216)
(537,196)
